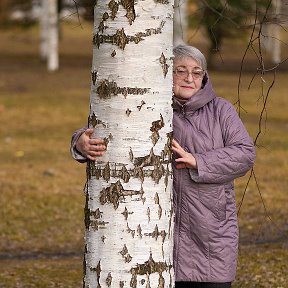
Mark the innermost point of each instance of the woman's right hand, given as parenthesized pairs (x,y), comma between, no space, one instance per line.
(90,148)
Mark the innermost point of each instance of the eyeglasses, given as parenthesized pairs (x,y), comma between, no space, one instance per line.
(183,73)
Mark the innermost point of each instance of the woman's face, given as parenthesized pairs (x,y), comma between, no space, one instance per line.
(187,77)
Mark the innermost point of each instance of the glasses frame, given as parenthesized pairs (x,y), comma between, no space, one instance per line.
(187,73)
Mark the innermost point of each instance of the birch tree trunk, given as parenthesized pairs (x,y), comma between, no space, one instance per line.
(53,58)
(180,22)
(271,33)
(128,213)
(43,23)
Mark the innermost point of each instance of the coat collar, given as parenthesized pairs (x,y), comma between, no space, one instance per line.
(198,100)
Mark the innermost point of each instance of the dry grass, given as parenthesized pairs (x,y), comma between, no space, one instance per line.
(41,226)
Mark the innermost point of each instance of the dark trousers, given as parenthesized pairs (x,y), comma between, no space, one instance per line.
(202,285)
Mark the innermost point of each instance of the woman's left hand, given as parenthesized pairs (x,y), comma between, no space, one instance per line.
(186,159)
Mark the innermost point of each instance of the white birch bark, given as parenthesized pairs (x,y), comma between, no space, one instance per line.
(180,22)
(52,57)
(271,33)
(128,213)
(43,23)
(276,28)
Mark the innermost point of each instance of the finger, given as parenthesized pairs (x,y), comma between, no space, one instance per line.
(89,132)
(96,141)
(179,151)
(96,153)
(176,144)
(97,148)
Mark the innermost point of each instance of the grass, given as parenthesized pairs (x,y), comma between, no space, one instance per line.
(41,216)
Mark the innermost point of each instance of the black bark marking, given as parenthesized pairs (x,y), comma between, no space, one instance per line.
(107,139)
(129,7)
(97,270)
(156,233)
(109,279)
(94,76)
(106,172)
(158,172)
(131,157)
(149,267)
(156,126)
(120,39)
(102,26)
(92,218)
(159,212)
(113,54)
(124,174)
(139,231)
(93,121)
(106,89)
(162,1)
(163,62)
(156,198)
(148,160)
(133,281)
(128,112)
(124,252)
(140,106)
(120,171)
(113,6)
(129,230)
(167,151)
(148,214)
(125,213)
(115,192)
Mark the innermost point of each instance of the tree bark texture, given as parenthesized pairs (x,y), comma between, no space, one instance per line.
(129,213)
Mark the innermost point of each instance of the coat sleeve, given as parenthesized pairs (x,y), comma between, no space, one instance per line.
(74,152)
(234,160)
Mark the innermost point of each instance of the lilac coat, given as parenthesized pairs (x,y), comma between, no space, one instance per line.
(206,230)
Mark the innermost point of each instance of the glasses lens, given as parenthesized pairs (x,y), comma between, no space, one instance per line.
(181,72)
(197,73)
(184,73)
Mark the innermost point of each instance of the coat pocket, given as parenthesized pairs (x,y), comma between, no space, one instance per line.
(212,196)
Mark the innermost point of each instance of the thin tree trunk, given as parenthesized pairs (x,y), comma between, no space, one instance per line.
(180,22)
(276,28)
(271,33)
(43,23)
(128,213)
(53,58)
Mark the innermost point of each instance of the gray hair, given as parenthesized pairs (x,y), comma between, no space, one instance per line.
(181,51)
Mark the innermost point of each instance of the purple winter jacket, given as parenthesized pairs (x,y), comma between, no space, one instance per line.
(206,230)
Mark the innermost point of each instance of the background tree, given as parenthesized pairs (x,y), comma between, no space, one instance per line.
(128,214)
(224,19)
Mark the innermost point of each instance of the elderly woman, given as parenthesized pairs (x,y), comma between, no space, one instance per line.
(211,148)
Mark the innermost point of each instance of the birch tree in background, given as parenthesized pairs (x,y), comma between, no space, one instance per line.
(271,34)
(180,22)
(49,34)
(128,213)
(52,56)
(43,23)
